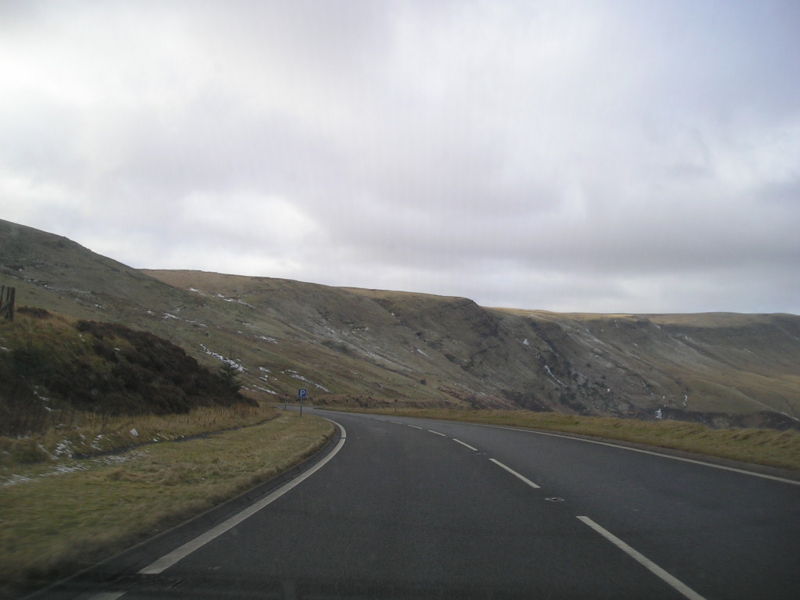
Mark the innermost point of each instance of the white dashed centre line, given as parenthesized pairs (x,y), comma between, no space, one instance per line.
(438,433)
(643,560)
(473,448)
(416,427)
(515,474)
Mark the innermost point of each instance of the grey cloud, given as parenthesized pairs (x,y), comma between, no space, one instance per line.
(608,156)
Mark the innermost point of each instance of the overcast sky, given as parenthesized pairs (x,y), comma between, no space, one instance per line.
(572,156)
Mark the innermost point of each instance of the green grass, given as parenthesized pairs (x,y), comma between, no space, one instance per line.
(767,447)
(53,525)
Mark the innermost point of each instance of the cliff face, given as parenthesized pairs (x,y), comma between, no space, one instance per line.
(383,346)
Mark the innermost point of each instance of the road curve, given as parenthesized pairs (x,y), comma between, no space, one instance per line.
(412,508)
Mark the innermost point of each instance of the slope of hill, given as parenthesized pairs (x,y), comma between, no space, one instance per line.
(51,367)
(375,346)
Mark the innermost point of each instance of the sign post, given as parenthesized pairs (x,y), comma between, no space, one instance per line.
(302,394)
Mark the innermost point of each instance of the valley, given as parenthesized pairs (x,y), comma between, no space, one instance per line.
(376,348)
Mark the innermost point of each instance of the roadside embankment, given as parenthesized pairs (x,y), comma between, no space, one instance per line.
(60,519)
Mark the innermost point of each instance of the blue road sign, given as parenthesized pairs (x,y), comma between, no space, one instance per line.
(302,393)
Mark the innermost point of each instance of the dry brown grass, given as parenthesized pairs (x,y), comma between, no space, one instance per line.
(53,525)
(87,434)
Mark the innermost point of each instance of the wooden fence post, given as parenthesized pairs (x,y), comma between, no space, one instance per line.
(8,297)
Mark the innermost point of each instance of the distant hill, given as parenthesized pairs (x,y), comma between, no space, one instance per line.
(374,346)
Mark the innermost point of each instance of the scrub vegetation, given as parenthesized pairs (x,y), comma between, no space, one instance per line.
(53,369)
(59,519)
(767,447)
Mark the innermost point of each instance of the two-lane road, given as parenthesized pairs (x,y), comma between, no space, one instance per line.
(410,508)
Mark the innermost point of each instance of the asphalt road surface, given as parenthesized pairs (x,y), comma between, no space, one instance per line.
(411,508)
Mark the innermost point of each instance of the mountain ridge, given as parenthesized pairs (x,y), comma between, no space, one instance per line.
(380,347)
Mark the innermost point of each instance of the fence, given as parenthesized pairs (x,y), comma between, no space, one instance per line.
(8,297)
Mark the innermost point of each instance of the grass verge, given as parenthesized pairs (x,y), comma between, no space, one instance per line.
(88,434)
(767,447)
(51,526)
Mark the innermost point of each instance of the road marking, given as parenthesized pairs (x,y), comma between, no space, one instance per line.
(107,596)
(416,427)
(651,452)
(438,433)
(473,448)
(514,473)
(644,561)
(182,552)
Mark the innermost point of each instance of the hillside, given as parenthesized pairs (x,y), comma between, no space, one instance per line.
(51,367)
(373,346)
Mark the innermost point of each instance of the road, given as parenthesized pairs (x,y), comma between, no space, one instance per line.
(412,508)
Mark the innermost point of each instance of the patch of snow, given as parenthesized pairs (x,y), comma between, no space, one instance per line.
(422,352)
(4,349)
(295,375)
(264,369)
(170,316)
(549,372)
(149,312)
(266,338)
(237,300)
(63,448)
(525,342)
(14,480)
(263,389)
(66,469)
(134,432)
(219,357)
(195,290)
(113,459)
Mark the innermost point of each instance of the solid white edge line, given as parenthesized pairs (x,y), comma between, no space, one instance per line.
(186,549)
(473,448)
(438,433)
(515,474)
(651,452)
(643,560)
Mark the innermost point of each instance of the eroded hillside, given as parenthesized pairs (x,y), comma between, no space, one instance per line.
(380,347)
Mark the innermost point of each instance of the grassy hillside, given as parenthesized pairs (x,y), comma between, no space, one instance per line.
(378,347)
(52,367)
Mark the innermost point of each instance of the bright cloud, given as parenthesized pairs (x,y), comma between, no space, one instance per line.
(601,156)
